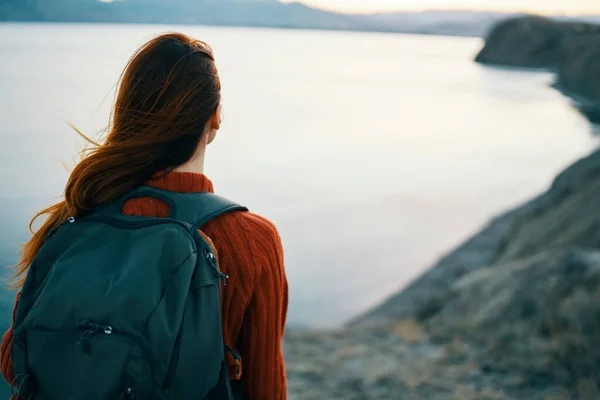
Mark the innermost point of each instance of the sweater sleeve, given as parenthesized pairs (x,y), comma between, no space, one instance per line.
(5,357)
(264,322)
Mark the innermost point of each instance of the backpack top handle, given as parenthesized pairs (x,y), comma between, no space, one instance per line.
(194,208)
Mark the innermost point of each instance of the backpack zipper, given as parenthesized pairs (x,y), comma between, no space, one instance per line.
(91,329)
(106,330)
(109,331)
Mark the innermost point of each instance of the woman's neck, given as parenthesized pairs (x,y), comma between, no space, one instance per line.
(195,165)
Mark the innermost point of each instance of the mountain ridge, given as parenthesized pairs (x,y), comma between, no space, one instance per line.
(250,13)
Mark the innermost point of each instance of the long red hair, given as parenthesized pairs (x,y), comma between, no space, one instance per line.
(167,93)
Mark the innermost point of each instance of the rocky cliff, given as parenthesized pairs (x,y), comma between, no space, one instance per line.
(514,313)
(536,42)
(570,49)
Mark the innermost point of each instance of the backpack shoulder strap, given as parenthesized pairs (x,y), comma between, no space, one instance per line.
(194,208)
(205,207)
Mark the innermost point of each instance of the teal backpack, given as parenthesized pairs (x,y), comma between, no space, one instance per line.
(123,307)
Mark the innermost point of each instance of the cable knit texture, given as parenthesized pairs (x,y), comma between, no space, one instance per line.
(254,301)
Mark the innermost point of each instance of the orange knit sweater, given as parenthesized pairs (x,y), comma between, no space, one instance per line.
(256,298)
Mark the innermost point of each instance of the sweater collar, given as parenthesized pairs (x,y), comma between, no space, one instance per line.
(182,182)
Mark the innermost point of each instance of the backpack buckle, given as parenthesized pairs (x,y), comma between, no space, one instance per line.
(237,369)
(237,363)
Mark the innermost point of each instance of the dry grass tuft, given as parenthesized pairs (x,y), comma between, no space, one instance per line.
(409,330)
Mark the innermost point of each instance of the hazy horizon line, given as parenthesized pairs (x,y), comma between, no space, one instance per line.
(440,8)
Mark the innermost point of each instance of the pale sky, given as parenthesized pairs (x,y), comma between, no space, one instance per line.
(539,6)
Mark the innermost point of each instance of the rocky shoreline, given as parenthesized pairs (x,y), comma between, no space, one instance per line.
(513,313)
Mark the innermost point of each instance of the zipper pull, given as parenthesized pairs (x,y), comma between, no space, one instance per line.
(223,278)
(69,220)
(212,259)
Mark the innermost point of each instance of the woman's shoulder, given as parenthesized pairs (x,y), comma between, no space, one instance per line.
(246,224)
(246,241)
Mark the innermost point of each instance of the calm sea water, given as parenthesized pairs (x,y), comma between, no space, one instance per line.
(373,153)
